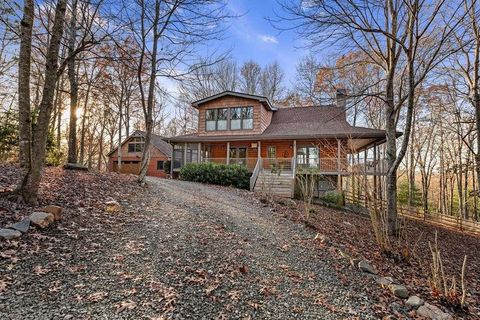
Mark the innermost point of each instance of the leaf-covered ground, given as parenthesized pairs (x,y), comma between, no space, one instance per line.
(353,234)
(182,250)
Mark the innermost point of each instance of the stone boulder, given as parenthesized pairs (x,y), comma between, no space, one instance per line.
(9,234)
(385,281)
(42,219)
(21,226)
(112,206)
(430,311)
(398,291)
(414,301)
(364,266)
(55,210)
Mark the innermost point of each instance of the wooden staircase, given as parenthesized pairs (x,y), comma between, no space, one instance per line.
(280,185)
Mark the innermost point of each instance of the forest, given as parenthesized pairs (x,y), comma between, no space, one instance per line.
(110,79)
(77,77)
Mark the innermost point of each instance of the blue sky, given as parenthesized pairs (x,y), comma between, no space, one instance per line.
(251,36)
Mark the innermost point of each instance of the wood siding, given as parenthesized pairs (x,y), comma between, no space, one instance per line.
(261,116)
(133,157)
(284,148)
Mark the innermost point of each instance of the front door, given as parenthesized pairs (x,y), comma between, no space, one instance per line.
(238,155)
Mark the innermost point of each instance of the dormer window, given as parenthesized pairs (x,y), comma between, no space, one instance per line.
(238,118)
(136,144)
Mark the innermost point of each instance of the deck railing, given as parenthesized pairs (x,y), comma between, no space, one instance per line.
(370,166)
(324,165)
(279,164)
(256,172)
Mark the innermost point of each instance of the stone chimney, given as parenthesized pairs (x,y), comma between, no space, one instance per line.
(342,98)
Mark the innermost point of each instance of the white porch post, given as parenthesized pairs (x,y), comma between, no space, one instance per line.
(199,154)
(339,165)
(228,152)
(185,153)
(259,150)
(294,150)
(339,155)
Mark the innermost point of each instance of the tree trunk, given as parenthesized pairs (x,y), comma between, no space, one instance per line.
(29,190)
(150,99)
(72,77)
(84,117)
(24,109)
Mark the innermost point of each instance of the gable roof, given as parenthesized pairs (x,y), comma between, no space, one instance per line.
(261,99)
(156,141)
(303,123)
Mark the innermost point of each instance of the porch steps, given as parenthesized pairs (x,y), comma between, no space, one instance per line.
(279,185)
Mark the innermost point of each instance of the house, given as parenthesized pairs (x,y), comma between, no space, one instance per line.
(131,155)
(247,129)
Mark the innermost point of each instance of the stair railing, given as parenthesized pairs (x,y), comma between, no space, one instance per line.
(255,173)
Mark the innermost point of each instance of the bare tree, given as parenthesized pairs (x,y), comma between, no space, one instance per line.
(250,77)
(306,79)
(395,36)
(28,189)
(166,33)
(271,82)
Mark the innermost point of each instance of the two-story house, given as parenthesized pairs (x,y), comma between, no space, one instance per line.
(247,129)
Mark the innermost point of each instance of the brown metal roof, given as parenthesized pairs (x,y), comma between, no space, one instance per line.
(300,123)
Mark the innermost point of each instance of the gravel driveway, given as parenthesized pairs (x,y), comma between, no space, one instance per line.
(189,251)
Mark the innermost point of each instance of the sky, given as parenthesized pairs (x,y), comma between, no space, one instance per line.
(251,36)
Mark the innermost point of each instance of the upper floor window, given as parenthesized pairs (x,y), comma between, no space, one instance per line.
(136,144)
(239,118)
(216,119)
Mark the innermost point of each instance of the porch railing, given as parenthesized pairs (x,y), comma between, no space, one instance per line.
(370,166)
(279,164)
(324,165)
(255,173)
(250,163)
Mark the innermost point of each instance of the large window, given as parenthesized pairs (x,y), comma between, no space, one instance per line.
(247,118)
(238,118)
(136,145)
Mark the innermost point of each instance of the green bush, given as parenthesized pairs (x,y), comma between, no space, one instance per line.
(222,174)
(333,197)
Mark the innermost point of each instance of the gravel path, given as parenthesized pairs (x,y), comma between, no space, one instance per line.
(187,251)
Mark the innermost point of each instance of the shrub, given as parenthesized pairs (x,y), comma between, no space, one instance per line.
(333,197)
(222,174)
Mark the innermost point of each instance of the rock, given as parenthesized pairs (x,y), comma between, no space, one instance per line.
(385,281)
(398,291)
(366,267)
(55,210)
(433,312)
(112,206)
(9,234)
(414,301)
(21,226)
(42,219)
